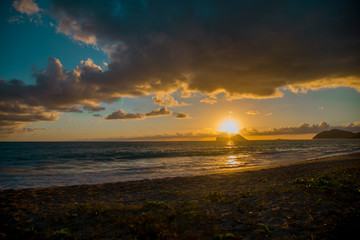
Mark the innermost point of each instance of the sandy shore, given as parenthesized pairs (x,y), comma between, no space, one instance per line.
(317,199)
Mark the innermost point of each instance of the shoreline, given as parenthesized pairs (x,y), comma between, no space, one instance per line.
(311,198)
(244,169)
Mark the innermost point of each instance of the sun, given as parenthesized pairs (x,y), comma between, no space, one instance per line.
(229,126)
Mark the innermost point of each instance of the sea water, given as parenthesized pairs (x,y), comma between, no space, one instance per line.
(43,164)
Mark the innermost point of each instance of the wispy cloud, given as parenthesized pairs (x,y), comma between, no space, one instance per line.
(252,112)
(209,100)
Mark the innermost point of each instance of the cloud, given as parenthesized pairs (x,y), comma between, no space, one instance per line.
(14,115)
(167,100)
(29,11)
(26,6)
(159,112)
(12,125)
(181,115)
(304,128)
(59,89)
(34,129)
(56,90)
(122,115)
(19,130)
(268,114)
(252,112)
(92,107)
(243,48)
(73,29)
(209,100)
(353,127)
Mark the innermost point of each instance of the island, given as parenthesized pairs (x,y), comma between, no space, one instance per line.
(235,138)
(336,134)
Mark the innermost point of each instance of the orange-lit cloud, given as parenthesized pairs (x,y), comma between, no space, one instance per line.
(209,100)
(13,116)
(167,100)
(181,115)
(252,112)
(72,28)
(122,115)
(26,6)
(335,82)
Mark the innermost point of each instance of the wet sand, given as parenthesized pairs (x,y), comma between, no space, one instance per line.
(317,199)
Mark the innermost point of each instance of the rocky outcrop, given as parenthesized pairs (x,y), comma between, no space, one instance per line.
(235,138)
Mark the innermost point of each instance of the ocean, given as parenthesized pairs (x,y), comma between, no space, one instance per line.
(44,164)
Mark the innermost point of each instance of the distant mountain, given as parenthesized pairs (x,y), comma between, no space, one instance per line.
(336,134)
(235,138)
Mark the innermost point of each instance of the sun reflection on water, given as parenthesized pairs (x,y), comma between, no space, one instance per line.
(229,144)
(233,161)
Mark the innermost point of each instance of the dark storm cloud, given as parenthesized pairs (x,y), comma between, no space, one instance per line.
(243,47)
(59,89)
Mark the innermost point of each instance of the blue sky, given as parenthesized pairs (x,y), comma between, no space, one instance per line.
(27,45)
(279,72)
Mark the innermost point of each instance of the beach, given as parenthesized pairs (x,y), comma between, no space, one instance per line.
(314,199)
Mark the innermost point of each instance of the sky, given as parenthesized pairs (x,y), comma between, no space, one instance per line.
(176,70)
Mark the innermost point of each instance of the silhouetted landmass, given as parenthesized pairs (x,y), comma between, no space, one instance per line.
(336,134)
(357,135)
(235,138)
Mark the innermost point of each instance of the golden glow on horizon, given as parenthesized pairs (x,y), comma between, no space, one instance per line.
(229,126)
